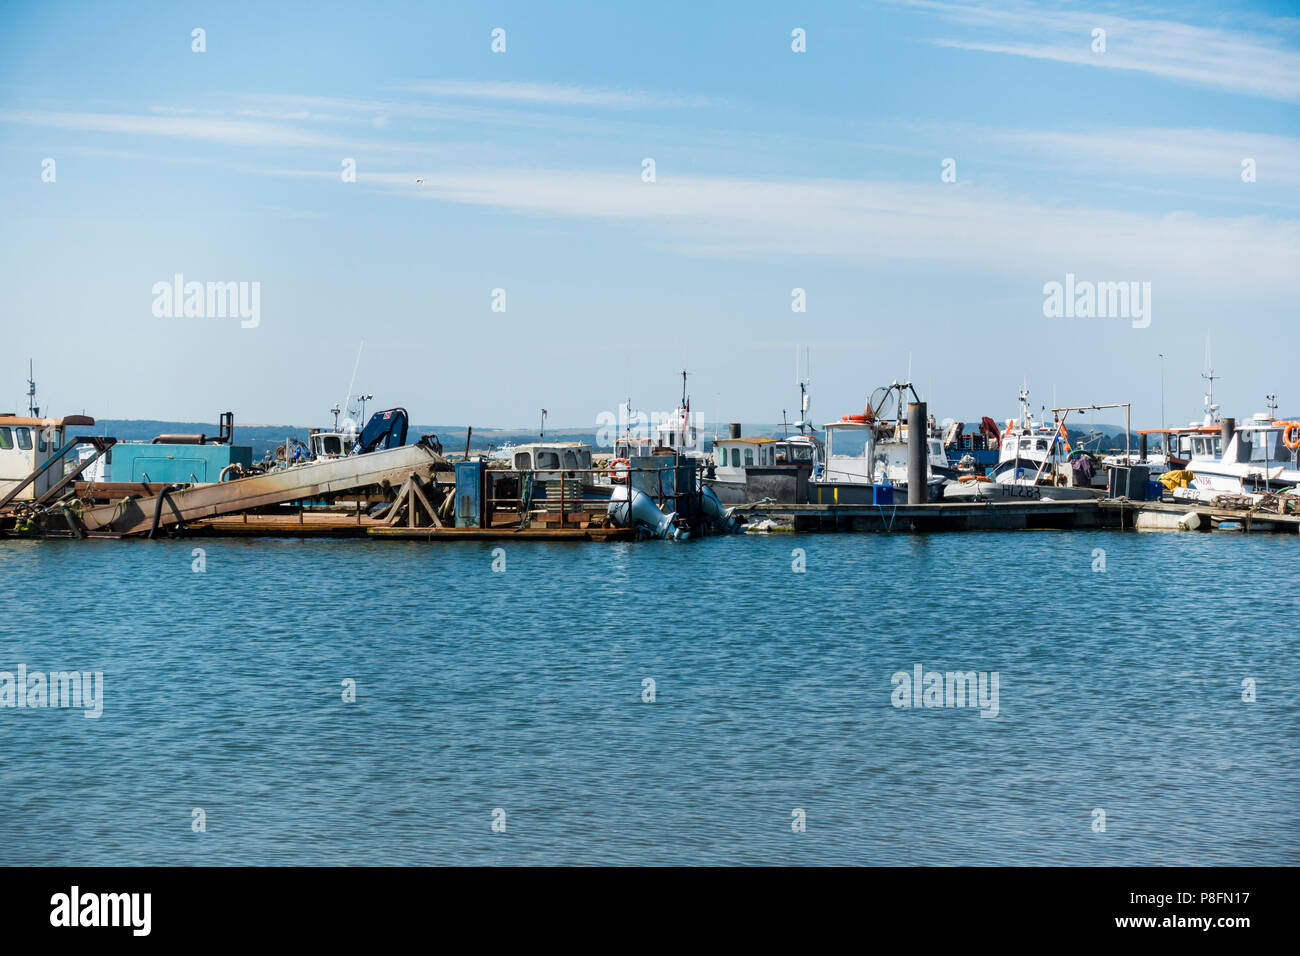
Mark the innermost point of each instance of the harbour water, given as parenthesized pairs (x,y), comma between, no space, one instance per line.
(1120,689)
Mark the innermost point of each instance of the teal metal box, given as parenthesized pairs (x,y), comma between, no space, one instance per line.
(469,494)
(174,464)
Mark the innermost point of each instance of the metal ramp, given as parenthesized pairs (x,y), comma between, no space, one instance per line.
(101,445)
(180,504)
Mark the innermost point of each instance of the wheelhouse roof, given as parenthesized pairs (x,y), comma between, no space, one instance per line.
(43,422)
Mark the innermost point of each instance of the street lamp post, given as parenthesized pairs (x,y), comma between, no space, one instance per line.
(1163,423)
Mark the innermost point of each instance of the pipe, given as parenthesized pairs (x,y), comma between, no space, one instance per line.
(225,429)
(916,453)
(163,497)
(1142,447)
(735,429)
(181,440)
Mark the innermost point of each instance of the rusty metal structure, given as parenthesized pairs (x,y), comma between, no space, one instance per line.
(403,491)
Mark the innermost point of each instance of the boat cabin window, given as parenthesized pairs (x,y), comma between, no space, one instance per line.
(332,445)
(1261,446)
(24,437)
(1042,444)
(849,442)
(522,461)
(570,460)
(735,458)
(6,438)
(40,439)
(749,456)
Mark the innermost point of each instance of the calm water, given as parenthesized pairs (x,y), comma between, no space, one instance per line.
(522,690)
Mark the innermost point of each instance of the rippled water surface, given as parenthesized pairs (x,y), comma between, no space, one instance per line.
(522,690)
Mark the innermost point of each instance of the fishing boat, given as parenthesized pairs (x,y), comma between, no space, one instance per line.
(867,452)
(325,444)
(28,443)
(1260,457)
(751,469)
(748,469)
(1033,463)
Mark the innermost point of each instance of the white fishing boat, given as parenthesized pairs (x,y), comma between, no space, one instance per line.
(1261,457)
(1033,463)
(325,444)
(866,453)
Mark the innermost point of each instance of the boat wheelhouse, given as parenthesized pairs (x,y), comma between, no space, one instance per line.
(1261,456)
(869,451)
(27,443)
(731,456)
(748,469)
(548,460)
(1170,449)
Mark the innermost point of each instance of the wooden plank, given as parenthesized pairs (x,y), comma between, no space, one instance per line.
(418,491)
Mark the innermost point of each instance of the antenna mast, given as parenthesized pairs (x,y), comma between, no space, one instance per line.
(1209,376)
(32,408)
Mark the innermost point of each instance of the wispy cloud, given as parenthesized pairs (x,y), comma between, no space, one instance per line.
(206,128)
(552,94)
(883,222)
(1207,154)
(1248,63)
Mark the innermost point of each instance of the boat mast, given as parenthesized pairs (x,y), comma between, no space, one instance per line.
(33,410)
(1209,376)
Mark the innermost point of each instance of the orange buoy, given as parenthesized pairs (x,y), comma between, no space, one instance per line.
(1291,435)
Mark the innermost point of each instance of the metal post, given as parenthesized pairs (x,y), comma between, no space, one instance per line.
(916,453)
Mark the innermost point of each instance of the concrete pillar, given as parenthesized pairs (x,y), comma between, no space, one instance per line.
(917,469)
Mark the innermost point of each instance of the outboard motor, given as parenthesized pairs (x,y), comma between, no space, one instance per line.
(715,513)
(644,513)
(386,429)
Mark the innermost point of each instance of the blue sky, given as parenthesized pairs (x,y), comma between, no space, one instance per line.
(775,170)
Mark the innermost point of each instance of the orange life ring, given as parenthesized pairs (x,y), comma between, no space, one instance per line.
(616,474)
(1291,443)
